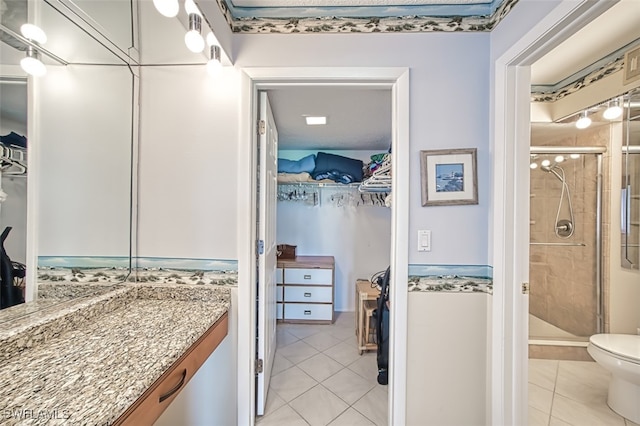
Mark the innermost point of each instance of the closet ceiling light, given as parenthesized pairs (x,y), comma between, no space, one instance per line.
(32,65)
(613,110)
(213,65)
(193,39)
(33,33)
(315,121)
(584,121)
(168,8)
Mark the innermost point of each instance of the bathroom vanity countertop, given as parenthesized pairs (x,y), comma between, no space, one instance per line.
(90,370)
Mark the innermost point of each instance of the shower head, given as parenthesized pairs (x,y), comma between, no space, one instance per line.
(551,168)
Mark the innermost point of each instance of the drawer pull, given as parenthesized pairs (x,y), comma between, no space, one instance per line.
(307,277)
(307,295)
(176,388)
(307,312)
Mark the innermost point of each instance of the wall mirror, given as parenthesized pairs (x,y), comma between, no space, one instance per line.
(79,123)
(630,205)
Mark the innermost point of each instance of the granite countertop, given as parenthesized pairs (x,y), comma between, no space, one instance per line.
(86,365)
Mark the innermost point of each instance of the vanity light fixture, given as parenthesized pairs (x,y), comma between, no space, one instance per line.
(33,33)
(190,7)
(32,64)
(584,121)
(613,111)
(559,159)
(214,66)
(533,165)
(168,8)
(545,163)
(315,121)
(193,39)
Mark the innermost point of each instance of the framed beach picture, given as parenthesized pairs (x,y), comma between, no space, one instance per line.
(449,177)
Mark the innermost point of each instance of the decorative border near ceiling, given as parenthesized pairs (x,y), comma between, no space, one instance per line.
(606,66)
(554,94)
(451,278)
(336,24)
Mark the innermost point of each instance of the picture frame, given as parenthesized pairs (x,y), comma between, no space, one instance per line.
(449,177)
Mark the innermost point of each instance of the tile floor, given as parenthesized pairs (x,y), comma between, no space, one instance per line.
(320,378)
(563,393)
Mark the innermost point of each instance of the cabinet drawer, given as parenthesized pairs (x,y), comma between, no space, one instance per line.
(279,311)
(308,276)
(279,276)
(279,293)
(307,311)
(155,400)
(308,294)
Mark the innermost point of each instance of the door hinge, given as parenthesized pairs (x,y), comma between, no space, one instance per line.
(262,127)
(525,288)
(260,246)
(259,366)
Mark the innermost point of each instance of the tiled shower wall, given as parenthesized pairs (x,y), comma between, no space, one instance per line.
(563,278)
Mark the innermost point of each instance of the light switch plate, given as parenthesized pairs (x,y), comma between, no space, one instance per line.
(424,240)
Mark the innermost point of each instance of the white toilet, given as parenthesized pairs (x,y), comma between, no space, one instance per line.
(620,354)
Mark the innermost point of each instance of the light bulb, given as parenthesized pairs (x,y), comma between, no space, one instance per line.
(584,121)
(190,7)
(193,39)
(575,156)
(545,163)
(533,165)
(214,66)
(613,110)
(559,159)
(32,65)
(168,8)
(34,33)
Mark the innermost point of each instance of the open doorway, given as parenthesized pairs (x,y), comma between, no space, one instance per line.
(334,231)
(396,81)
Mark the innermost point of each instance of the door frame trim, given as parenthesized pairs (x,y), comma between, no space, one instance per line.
(252,80)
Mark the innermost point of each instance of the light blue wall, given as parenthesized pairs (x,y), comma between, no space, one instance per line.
(449,108)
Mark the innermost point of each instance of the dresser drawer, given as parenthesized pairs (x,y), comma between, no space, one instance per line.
(308,294)
(279,293)
(308,276)
(279,276)
(279,311)
(307,311)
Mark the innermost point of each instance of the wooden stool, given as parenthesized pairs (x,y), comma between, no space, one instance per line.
(368,307)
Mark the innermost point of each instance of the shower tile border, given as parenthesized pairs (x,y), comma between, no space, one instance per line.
(450,278)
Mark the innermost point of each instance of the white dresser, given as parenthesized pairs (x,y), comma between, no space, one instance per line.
(306,289)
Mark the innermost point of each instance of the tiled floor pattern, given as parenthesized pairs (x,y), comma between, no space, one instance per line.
(320,378)
(563,393)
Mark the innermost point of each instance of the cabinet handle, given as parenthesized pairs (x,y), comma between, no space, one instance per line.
(307,277)
(307,312)
(307,295)
(176,388)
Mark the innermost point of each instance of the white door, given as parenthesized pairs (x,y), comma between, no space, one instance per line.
(267,189)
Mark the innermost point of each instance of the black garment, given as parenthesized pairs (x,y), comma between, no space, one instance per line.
(14,139)
(382,328)
(10,295)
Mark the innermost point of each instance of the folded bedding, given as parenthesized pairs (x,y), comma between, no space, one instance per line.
(337,168)
(306,164)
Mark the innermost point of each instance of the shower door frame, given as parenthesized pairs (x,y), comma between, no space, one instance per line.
(598,151)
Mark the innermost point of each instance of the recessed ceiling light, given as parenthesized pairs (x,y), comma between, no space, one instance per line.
(314,121)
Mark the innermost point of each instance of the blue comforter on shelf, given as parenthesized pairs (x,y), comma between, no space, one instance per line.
(306,164)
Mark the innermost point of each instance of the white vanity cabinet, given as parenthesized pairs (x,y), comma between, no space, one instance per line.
(306,290)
